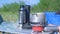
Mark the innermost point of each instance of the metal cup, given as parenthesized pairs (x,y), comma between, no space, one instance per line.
(37,19)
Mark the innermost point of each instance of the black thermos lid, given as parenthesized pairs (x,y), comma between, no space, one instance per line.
(22,8)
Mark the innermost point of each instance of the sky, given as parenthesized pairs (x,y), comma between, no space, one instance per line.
(31,2)
(28,2)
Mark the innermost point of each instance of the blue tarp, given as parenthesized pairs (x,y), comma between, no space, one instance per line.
(52,18)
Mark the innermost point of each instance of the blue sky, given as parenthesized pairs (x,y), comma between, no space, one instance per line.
(28,2)
(31,2)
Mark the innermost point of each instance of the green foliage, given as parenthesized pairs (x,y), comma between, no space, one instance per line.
(10,12)
(11,7)
(48,5)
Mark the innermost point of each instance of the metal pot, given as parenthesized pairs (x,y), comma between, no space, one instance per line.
(37,18)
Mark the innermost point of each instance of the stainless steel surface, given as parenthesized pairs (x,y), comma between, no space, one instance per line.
(51,28)
(6,27)
(41,32)
(37,18)
(22,14)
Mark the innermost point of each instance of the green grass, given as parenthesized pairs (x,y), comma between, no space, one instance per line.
(10,16)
